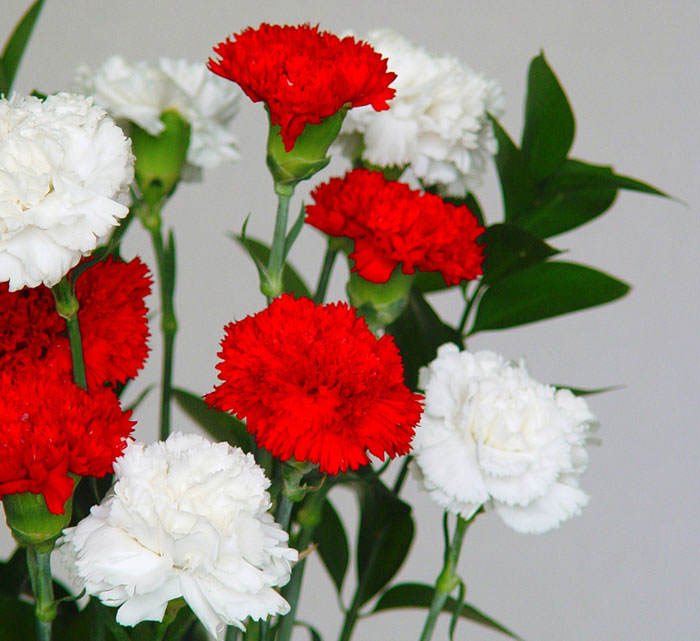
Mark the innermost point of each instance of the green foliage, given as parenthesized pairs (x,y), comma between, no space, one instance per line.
(17,619)
(221,426)
(542,291)
(16,45)
(418,595)
(332,544)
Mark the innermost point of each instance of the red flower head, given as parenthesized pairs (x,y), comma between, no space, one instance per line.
(393,224)
(315,384)
(113,324)
(302,74)
(51,428)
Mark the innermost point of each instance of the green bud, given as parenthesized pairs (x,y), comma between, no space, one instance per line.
(307,157)
(380,303)
(159,159)
(31,522)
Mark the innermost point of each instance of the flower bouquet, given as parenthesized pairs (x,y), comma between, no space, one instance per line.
(208,534)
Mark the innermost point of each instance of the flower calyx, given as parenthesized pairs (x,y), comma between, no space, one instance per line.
(380,303)
(31,522)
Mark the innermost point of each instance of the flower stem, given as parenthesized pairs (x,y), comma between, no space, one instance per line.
(468,308)
(325,276)
(403,473)
(272,285)
(39,566)
(447,580)
(67,307)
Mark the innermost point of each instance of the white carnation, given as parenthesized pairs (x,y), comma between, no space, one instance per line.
(185,518)
(437,123)
(491,435)
(63,165)
(140,92)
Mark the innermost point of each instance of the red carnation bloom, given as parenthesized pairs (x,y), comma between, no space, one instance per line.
(303,74)
(315,384)
(50,429)
(113,324)
(393,224)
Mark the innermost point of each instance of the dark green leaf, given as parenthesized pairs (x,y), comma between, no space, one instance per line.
(313,632)
(332,544)
(219,425)
(16,619)
(385,536)
(517,184)
(169,264)
(418,595)
(17,43)
(3,79)
(418,332)
(140,398)
(473,204)
(542,291)
(549,122)
(295,230)
(429,282)
(509,249)
(578,391)
(457,610)
(291,280)
(13,573)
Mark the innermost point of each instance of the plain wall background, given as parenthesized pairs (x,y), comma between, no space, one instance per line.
(628,568)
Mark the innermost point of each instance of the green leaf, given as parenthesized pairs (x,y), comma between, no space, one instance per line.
(429,282)
(4,84)
(509,249)
(549,127)
(385,536)
(517,184)
(221,426)
(314,634)
(419,595)
(169,265)
(16,619)
(16,44)
(418,333)
(579,391)
(332,544)
(291,280)
(542,291)
(295,230)
(14,574)
(140,398)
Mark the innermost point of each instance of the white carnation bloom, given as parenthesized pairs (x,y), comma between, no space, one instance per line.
(186,518)
(437,123)
(63,166)
(491,435)
(140,92)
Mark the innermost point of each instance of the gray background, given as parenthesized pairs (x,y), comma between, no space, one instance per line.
(628,568)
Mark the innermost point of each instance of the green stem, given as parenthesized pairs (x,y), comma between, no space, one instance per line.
(325,275)
(272,285)
(403,473)
(468,308)
(39,566)
(67,307)
(448,580)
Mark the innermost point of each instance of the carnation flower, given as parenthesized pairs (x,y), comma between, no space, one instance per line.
(392,224)
(315,384)
(438,122)
(302,74)
(491,435)
(52,429)
(63,162)
(185,518)
(113,325)
(140,92)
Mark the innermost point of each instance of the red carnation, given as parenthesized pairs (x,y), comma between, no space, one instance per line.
(393,224)
(113,324)
(303,74)
(315,384)
(51,429)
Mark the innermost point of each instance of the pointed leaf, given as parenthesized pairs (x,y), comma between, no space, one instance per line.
(385,536)
(545,290)
(140,398)
(332,544)
(169,264)
(13,573)
(419,595)
(291,280)
(418,333)
(219,425)
(549,122)
(294,231)
(579,391)
(509,249)
(314,634)
(17,619)
(16,44)
(429,282)
(517,183)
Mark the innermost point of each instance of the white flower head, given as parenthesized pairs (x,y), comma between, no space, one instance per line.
(491,435)
(186,518)
(63,166)
(437,124)
(140,92)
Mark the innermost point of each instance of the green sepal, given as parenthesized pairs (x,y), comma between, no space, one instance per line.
(307,157)
(30,521)
(16,44)
(380,303)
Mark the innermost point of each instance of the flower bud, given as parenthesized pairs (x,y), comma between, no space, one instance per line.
(159,159)
(30,521)
(307,157)
(380,303)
